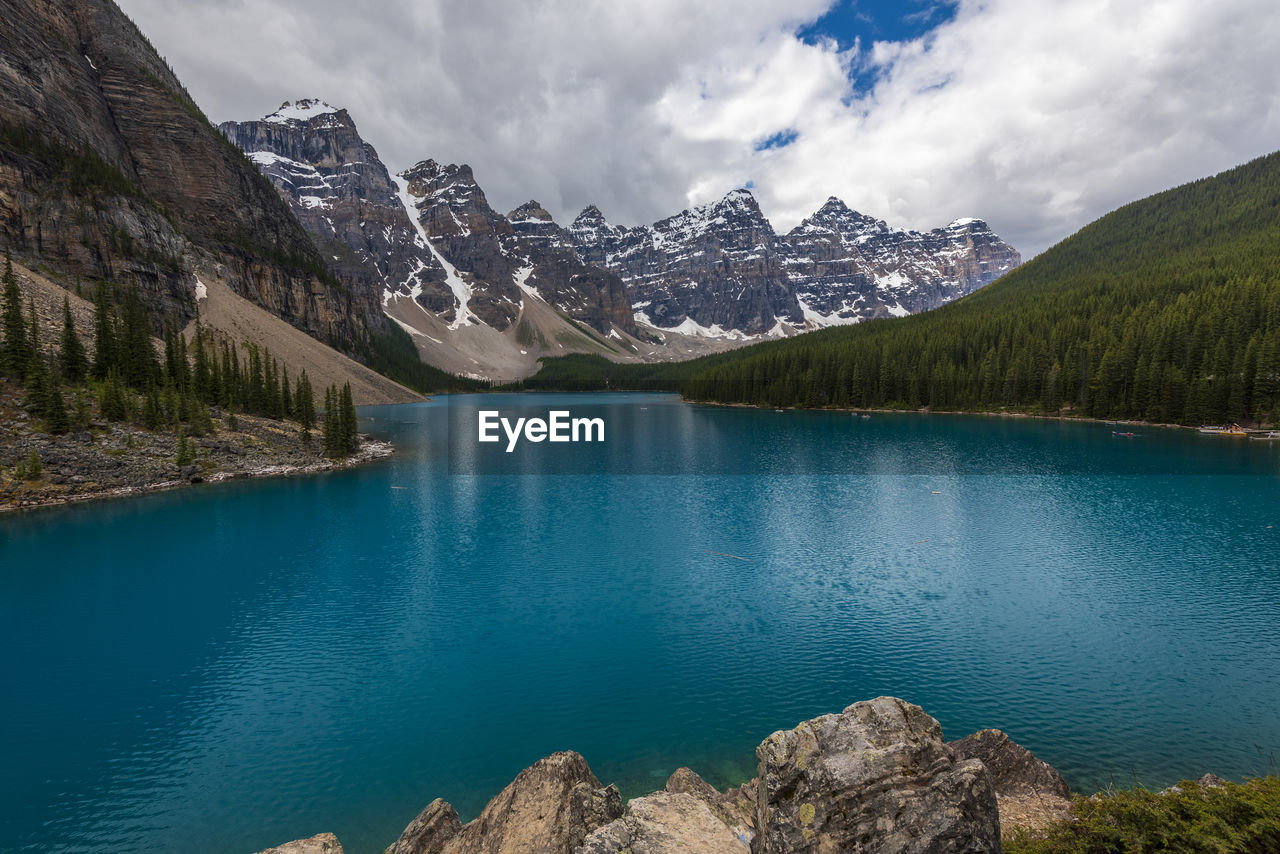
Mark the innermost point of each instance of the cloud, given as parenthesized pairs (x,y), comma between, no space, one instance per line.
(1036,115)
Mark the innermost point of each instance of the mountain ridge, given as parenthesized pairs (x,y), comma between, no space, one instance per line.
(712,276)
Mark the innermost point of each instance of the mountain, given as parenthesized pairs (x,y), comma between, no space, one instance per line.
(342,193)
(846,266)
(720,269)
(108,170)
(1165,310)
(714,270)
(481,294)
(489,295)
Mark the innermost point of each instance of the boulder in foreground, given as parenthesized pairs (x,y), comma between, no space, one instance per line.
(875,778)
(324,843)
(1031,795)
(549,808)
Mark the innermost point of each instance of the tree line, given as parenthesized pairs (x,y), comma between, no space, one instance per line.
(130,382)
(1166,310)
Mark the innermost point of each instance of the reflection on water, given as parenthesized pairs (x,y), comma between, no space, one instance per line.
(249,663)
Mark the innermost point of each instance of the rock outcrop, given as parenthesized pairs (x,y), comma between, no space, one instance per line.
(324,843)
(666,823)
(550,808)
(1014,770)
(875,778)
(1030,793)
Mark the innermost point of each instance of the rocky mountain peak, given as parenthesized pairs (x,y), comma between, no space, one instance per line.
(306,110)
(590,215)
(591,229)
(739,198)
(833,206)
(452,184)
(836,217)
(530,210)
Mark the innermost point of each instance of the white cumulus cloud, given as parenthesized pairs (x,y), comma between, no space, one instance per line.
(1036,115)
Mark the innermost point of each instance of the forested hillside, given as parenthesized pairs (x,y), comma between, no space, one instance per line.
(1167,309)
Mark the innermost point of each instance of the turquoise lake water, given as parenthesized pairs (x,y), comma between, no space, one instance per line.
(229,667)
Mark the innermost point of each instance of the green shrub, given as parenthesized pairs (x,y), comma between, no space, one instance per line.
(1235,818)
(30,468)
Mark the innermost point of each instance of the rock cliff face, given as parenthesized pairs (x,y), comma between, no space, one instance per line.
(447,267)
(343,194)
(560,277)
(109,170)
(716,269)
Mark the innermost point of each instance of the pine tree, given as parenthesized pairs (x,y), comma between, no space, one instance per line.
(348,421)
(331,431)
(38,390)
(15,348)
(56,419)
(111,398)
(186,455)
(152,415)
(286,398)
(202,375)
(104,333)
(139,366)
(31,468)
(305,403)
(72,360)
(81,414)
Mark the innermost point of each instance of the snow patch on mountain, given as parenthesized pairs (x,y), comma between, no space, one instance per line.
(461,290)
(301,110)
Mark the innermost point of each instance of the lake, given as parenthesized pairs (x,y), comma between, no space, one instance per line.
(232,666)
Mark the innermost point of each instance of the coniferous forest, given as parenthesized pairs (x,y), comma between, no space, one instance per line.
(126,380)
(1165,310)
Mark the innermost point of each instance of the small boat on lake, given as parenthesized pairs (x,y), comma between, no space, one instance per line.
(1270,436)
(1233,430)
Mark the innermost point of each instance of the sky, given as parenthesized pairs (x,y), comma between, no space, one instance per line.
(1037,116)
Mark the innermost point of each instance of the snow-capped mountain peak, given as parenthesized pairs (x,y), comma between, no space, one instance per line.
(302,110)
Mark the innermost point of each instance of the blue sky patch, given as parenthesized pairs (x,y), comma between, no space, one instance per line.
(867,21)
(781,139)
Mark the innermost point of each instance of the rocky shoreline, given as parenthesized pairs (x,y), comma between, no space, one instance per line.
(118,460)
(878,777)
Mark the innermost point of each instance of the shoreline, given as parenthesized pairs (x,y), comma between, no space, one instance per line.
(986,413)
(370,450)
